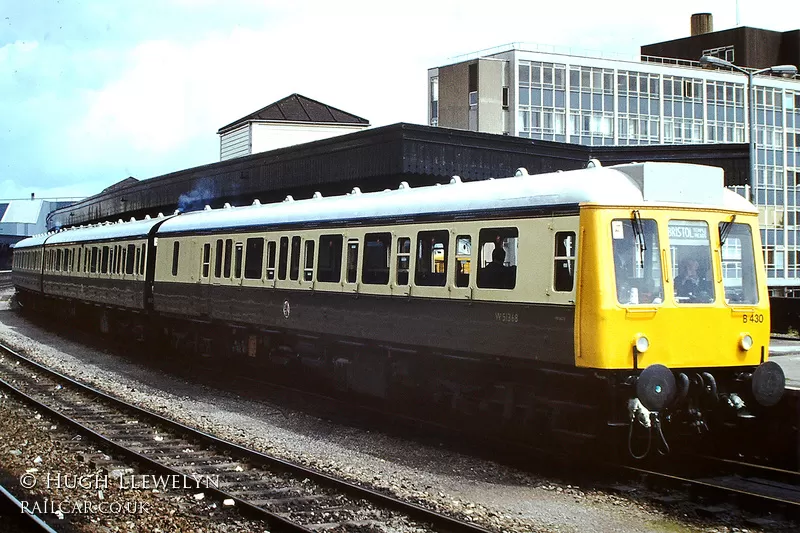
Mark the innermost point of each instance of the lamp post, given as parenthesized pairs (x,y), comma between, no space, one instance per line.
(784,70)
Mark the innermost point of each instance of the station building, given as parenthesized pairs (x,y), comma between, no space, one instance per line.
(540,92)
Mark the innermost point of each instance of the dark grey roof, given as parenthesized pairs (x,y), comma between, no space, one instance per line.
(298,108)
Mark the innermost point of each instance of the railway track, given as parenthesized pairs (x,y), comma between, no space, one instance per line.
(760,487)
(289,497)
(16,517)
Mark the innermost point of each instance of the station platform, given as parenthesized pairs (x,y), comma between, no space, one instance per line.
(786,352)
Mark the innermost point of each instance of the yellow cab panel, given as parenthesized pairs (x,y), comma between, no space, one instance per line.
(663,273)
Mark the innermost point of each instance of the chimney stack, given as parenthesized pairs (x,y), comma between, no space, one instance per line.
(702,23)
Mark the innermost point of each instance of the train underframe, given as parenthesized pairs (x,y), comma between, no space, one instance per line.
(581,410)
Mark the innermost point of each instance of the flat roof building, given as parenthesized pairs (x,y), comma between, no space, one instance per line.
(541,92)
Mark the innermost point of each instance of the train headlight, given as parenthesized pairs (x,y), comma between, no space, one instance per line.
(641,343)
(746,342)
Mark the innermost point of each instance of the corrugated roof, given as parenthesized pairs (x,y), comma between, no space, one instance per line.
(298,108)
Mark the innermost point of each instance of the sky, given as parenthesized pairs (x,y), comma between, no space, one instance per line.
(94,91)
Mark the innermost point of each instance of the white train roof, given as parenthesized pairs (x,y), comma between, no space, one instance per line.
(118,230)
(637,184)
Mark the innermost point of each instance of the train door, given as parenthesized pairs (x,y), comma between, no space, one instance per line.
(403,265)
(462,265)
(205,277)
(351,266)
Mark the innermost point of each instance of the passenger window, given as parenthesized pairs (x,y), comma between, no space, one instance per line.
(564,271)
(463,254)
(403,260)
(377,251)
(329,266)
(226,269)
(176,248)
(218,260)
(352,260)
(58,260)
(271,260)
(254,259)
(294,270)
(138,258)
(308,266)
(130,259)
(431,265)
(104,262)
(283,258)
(111,251)
(498,258)
(144,258)
(123,257)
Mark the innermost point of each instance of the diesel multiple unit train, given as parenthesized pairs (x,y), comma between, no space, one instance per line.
(628,299)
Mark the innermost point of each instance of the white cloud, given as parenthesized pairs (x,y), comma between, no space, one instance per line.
(153,105)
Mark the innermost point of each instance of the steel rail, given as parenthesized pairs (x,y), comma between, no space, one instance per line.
(439,521)
(28,520)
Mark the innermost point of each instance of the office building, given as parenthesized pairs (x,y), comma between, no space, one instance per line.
(541,92)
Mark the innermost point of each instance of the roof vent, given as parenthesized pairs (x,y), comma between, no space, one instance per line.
(455,180)
(207,208)
(404,185)
(521,171)
(317,195)
(226,206)
(289,198)
(356,190)
(133,219)
(594,163)
(256,202)
(147,217)
(177,212)
(160,215)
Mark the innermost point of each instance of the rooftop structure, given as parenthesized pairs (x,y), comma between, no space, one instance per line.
(293,120)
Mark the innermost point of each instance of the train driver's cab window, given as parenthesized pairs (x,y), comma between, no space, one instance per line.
(738,263)
(377,252)
(403,260)
(329,265)
(564,268)
(637,261)
(498,258)
(690,250)
(431,261)
(462,262)
(254,258)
